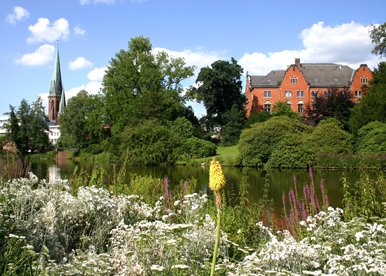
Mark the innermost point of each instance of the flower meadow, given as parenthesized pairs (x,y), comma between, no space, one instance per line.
(50,229)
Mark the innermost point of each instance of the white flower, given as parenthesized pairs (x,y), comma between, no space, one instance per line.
(157,268)
(359,235)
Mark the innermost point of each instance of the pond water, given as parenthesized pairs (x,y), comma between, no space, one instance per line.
(248,181)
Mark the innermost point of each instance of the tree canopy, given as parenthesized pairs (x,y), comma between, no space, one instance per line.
(220,90)
(372,106)
(378,37)
(81,122)
(140,85)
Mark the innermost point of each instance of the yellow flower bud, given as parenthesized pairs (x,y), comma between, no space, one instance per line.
(216,176)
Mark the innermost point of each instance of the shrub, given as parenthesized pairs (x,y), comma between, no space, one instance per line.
(257,143)
(329,137)
(147,144)
(196,148)
(291,152)
(372,138)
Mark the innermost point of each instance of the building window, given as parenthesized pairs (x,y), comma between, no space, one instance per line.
(364,80)
(300,94)
(358,94)
(289,104)
(267,107)
(314,93)
(288,94)
(300,107)
(267,94)
(294,80)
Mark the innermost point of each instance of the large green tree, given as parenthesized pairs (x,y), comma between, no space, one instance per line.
(220,89)
(140,85)
(372,106)
(81,123)
(378,37)
(27,128)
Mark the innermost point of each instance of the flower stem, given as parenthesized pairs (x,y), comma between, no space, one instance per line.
(218,232)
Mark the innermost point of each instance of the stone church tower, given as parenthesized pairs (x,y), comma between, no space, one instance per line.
(56,97)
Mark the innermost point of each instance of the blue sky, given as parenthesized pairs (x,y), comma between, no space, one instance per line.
(261,35)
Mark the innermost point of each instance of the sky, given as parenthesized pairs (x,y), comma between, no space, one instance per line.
(261,35)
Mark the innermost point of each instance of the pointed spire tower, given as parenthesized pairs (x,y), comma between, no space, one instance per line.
(56,97)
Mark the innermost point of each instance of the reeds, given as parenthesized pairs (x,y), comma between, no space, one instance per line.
(303,205)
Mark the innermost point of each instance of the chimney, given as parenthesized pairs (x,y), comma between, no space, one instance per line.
(297,62)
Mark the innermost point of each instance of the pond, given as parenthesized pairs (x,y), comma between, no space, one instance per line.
(248,181)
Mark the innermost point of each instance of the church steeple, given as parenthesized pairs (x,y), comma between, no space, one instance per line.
(56,97)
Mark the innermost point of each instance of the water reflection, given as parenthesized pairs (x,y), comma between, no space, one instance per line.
(241,182)
(53,173)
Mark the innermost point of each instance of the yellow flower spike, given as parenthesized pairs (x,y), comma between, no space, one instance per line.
(216,176)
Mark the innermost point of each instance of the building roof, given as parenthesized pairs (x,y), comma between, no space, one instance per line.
(315,74)
(273,79)
(56,88)
(327,74)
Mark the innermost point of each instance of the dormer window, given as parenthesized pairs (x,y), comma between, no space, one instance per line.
(294,80)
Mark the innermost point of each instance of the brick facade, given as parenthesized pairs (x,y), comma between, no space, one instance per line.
(299,82)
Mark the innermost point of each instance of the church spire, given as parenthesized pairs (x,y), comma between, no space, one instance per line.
(56,81)
(56,97)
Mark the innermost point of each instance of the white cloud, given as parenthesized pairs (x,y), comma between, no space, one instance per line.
(43,55)
(79,31)
(79,63)
(194,58)
(348,44)
(97,74)
(43,30)
(18,14)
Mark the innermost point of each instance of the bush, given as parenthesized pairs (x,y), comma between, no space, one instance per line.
(147,144)
(196,148)
(372,138)
(257,143)
(291,152)
(329,137)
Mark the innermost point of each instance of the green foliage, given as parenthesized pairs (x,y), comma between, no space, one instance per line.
(378,37)
(372,138)
(329,137)
(372,106)
(257,142)
(360,199)
(194,147)
(82,121)
(139,86)
(235,121)
(291,152)
(258,117)
(147,144)
(220,89)
(27,128)
(333,104)
(284,109)
(149,188)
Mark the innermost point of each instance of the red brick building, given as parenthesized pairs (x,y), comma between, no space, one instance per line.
(300,81)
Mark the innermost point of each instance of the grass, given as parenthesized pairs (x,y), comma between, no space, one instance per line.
(227,156)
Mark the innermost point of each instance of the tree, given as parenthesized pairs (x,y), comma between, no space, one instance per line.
(140,85)
(333,104)
(82,121)
(284,109)
(27,128)
(372,106)
(378,37)
(219,88)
